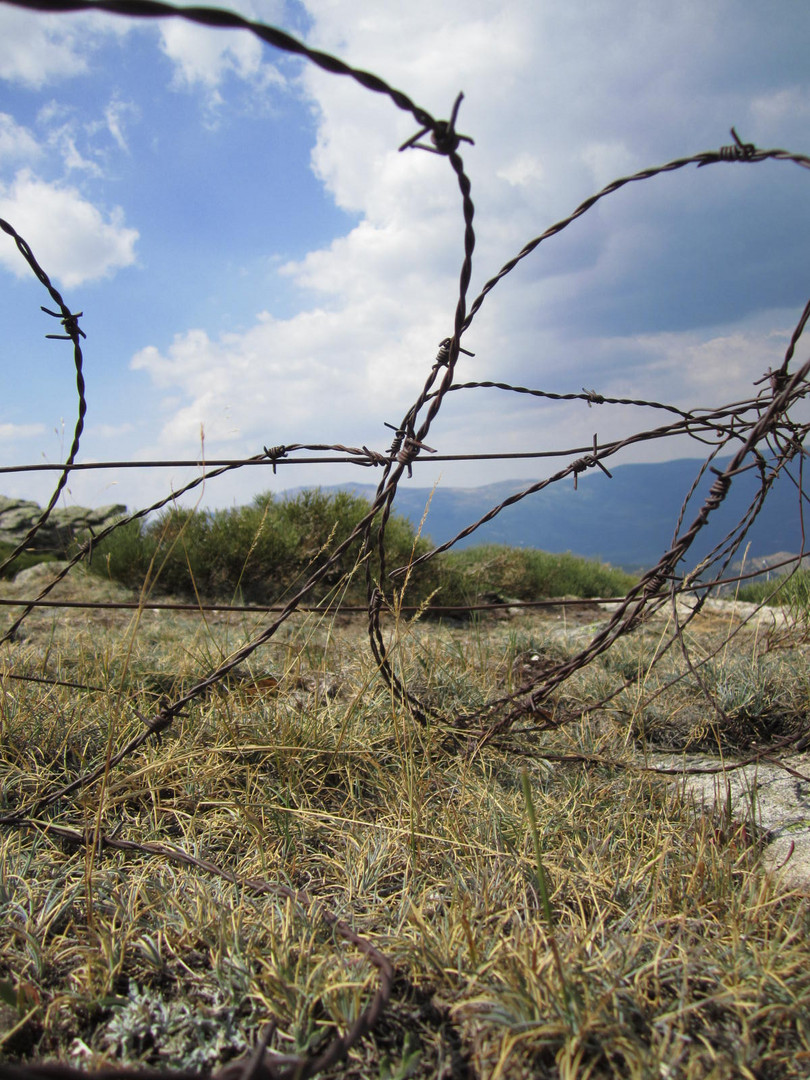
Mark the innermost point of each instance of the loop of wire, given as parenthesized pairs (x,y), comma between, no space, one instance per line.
(763,422)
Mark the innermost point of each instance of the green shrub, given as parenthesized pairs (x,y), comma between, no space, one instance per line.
(124,555)
(790,590)
(477,574)
(572,575)
(259,552)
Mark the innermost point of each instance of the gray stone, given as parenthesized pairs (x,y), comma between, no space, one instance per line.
(20,517)
(774,797)
(64,525)
(15,504)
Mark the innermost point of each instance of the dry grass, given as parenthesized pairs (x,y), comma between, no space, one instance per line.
(587,922)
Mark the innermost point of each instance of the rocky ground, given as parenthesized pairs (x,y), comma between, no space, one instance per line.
(774,795)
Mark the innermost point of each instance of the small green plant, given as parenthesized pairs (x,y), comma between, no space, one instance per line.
(145,1029)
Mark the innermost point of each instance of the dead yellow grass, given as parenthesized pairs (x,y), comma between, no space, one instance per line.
(665,949)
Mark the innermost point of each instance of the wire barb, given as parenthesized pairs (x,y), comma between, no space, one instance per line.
(405,447)
(70,323)
(738,151)
(443,355)
(776,378)
(443,135)
(275,454)
(375,458)
(587,462)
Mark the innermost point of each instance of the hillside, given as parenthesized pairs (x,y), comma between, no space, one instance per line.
(628,521)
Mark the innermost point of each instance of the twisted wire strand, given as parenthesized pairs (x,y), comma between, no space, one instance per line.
(70,324)
(770,423)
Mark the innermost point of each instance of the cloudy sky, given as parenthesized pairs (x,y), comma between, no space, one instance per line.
(258,264)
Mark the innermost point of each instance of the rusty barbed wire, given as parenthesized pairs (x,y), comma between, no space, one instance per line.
(745,427)
(70,324)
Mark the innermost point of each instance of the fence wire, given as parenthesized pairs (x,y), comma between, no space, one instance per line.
(761,434)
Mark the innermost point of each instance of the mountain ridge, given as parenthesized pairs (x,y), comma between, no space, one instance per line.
(628,520)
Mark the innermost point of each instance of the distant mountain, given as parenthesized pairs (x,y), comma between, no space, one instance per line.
(627,521)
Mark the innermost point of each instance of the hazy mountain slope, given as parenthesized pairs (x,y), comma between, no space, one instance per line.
(628,521)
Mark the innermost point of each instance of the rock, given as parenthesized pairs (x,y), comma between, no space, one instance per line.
(774,798)
(64,526)
(37,577)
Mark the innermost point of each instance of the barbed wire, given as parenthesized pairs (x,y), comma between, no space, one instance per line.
(70,324)
(761,433)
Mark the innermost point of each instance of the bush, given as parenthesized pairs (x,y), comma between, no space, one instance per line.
(23,560)
(256,553)
(494,571)
(259,553)
(123,555)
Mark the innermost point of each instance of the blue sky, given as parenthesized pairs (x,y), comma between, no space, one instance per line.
(257,264)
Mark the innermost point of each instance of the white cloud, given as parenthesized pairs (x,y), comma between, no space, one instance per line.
(305,379)
(82,143)
(204,58)
(71,239)
(13,432)
(109,431)
(521,170)
(721,365)
(74,160)
(608,160)
(560,100)
(773,111)
(36,48)
(115,115)
(16,142)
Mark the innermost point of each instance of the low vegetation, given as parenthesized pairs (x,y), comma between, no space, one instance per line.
(495,571)
(545,918)
(262,552)
(255,553)
(790,590)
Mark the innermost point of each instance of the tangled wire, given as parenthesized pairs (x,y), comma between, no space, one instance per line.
(760,434)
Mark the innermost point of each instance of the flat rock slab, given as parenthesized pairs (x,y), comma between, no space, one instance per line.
(776,798)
